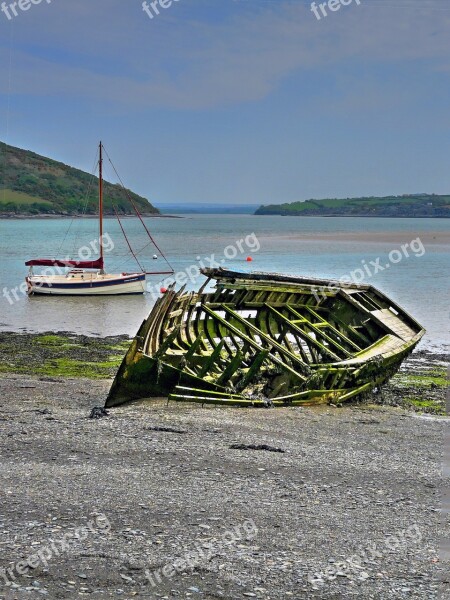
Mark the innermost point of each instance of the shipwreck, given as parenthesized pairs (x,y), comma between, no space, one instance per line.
(265,339)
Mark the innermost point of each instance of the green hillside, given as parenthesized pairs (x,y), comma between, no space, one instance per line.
(31,185)
(414,205)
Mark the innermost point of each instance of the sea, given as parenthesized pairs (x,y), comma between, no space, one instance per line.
(407,259)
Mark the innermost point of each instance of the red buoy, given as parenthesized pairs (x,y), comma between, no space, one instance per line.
(163,290)
(249,259)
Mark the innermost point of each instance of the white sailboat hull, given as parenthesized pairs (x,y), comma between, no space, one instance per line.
(87,276)
(86,284)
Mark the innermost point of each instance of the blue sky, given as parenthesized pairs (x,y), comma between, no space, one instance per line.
(235,100)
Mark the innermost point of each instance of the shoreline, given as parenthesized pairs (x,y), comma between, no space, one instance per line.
(435,349)
(419,386)
(23,217)
(328,216)
(5,216)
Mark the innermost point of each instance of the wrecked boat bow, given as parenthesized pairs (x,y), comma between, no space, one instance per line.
(265,339)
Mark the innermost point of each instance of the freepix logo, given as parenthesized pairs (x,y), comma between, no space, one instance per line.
(10,10)
(332,5)
(152,8)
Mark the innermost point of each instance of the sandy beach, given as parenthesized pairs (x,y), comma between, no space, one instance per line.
(394,238)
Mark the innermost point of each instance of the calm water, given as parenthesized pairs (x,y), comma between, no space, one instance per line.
(318,247)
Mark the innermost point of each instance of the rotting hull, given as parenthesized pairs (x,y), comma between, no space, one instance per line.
(264,339)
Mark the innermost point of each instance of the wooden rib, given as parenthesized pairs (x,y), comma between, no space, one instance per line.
(213,359)
(317,329)
(336,331)
(309,340)
(194,347)
(255,345)
(254,368)
(230,369)
(267,339)
(166,343)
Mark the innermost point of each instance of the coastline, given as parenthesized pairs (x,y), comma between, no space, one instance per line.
(419,386)
(361,216)
(5,216)
(18,217)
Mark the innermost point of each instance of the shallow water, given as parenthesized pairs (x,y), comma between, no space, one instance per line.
(319,247)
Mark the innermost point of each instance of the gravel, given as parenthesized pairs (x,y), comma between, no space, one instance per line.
(349,510)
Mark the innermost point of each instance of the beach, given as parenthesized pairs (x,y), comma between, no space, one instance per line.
(335,503)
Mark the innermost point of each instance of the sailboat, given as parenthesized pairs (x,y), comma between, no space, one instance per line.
(88,277)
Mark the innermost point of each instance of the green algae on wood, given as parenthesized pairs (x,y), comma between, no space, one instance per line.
(266,339)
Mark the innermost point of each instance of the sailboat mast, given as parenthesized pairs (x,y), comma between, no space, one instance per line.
(100,199)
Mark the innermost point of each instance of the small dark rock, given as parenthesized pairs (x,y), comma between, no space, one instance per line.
(165,429)
(256,447)
(98,412)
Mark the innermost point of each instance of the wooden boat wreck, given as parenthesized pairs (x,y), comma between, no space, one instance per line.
(265,339)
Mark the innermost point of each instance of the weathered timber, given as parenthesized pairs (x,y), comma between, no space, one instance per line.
(265,339)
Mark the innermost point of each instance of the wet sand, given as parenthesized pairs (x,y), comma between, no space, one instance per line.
(395,238)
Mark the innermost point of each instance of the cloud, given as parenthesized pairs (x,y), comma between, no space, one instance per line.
(110,53)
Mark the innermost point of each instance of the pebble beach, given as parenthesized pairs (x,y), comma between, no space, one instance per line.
(160,500)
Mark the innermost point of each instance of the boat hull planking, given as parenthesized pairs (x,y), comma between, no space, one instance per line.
(264,339)
(86,284)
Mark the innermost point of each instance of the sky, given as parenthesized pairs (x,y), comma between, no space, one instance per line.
(235,101)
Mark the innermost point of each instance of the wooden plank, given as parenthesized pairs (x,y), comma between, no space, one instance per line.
(324,335)
(194,391)
(281,349)
(254,368)
(214,358)
(254,344)
(194,347)
(325,323)
(166,343)
(230,369)
(356,391)
(304,334)
(214,400)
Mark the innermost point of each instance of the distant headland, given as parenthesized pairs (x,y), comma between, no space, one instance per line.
(408,205)
(33,185)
